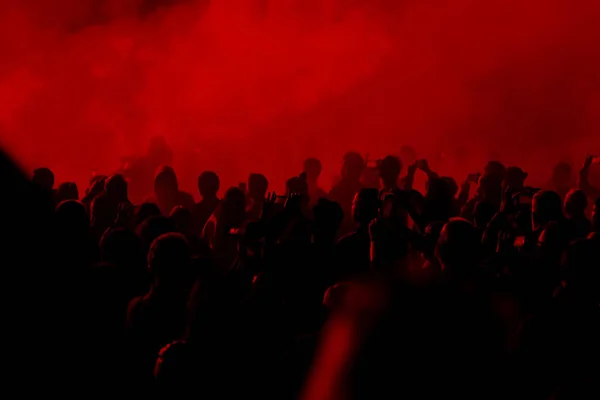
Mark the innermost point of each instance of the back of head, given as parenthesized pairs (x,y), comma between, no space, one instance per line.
(515,178)
(169,259)
(452,185)
(152,228)
(209,184)
(67,191)
(576,203)
(546,207)
(489,188)
(233,206)
(438,189)
(182,218)
(495,168)
(312,167)
(353,167)
(458,247)
(145,211)
(257,186)
(43,177)
(165,180)
(71,218)
(390,168)
(365,206)
(296,185)
(116,188)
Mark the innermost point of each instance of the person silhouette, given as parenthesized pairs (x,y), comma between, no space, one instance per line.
(167,194)
(208,187)
(312,168)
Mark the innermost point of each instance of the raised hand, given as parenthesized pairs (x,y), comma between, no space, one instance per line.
(269,205)
(412,169)
(293,201)
(98,187)
(423,165)
(589,160)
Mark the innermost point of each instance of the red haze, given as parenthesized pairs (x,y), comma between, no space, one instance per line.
(239,85)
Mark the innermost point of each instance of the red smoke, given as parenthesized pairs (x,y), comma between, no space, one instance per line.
(240,85)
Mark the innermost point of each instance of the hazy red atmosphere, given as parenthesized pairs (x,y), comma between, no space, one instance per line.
(261,84)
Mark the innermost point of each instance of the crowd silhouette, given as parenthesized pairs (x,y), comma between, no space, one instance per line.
(486,288)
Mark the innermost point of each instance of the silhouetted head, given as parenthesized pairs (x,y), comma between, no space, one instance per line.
(328,216)
(152,228)
(546,207)
(596,216)
(165,182)
(576,203)
(145,211)
(169,260)
(312,167)
(489,188)
(458,248)
(389,170)
(496,169)
(208,184)
(257,187)
(182,218)
(438,190)
(562,176)
(365,206)
(354,164)
(71,218)
(515,178)
(67,191)
(452,185)
(296,185)
(116,188)
(44,177)
(233,207)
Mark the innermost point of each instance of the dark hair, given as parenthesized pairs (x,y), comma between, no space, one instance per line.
(209,183)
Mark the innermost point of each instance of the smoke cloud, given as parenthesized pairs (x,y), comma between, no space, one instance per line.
(240,85)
